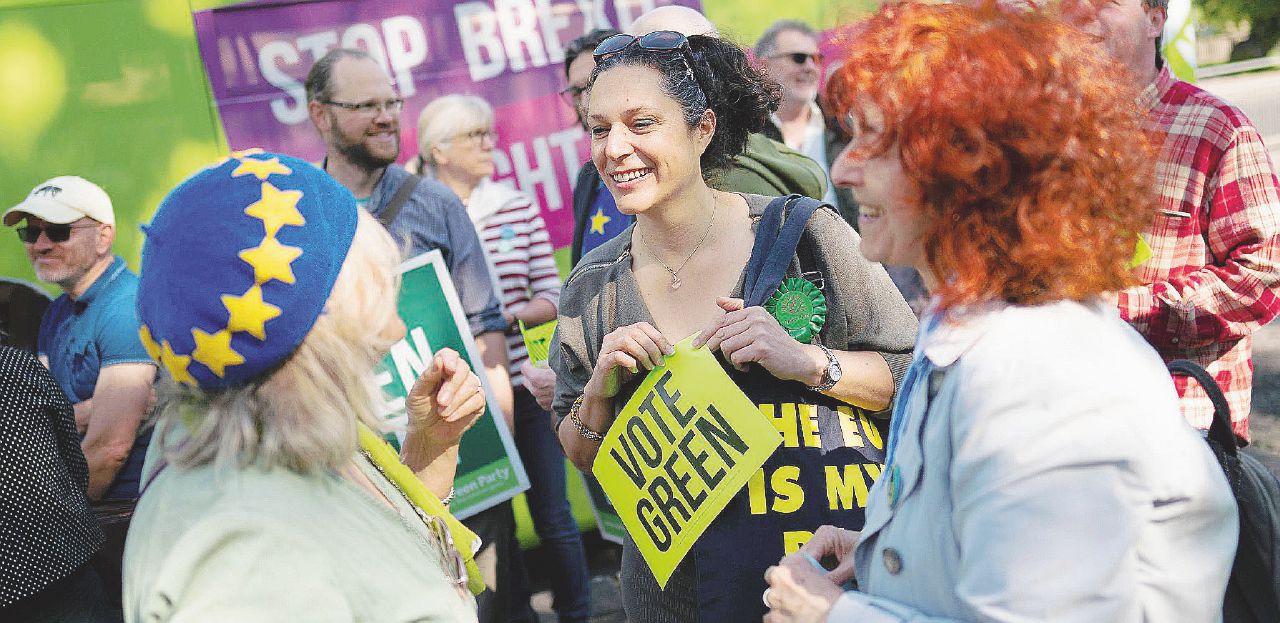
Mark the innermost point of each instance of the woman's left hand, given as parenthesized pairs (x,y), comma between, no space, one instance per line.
(751,334)
(797,593)
(446,400)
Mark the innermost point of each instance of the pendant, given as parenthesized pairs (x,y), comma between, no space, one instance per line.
(675,282)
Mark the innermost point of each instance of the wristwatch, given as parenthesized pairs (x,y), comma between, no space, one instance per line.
(832,374)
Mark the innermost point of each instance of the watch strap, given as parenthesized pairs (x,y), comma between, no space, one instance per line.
(827,381)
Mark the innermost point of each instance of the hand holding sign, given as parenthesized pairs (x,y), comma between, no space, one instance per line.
(687,441)
(751,334)
(622,353)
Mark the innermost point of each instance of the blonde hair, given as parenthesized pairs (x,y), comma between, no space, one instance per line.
(445,117)
(302,416)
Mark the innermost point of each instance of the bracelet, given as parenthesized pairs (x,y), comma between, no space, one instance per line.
(577,422)
(446,500)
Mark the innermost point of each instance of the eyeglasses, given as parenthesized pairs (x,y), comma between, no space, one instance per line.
(571,93)
(656,41)
(800,57)
(478,136)
(456,565)
(56,233)
(371,107)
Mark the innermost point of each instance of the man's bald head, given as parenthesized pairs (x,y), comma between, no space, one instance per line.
(681,19)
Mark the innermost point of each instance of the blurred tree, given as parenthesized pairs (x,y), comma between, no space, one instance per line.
(1264,23)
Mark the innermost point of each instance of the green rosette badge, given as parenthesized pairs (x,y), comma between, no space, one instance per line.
(800,308)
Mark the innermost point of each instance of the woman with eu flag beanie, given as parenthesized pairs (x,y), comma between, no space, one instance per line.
(267,296)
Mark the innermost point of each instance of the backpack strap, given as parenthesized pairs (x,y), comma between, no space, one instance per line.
(388,216)
(1220,429)
(777,237)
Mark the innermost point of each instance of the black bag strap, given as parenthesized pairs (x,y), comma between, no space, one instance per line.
(388,216)
(1220,429)
(777,237)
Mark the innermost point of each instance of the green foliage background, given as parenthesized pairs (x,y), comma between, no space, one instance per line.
(1224,11)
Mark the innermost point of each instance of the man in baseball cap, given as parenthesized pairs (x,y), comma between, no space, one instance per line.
(89,340)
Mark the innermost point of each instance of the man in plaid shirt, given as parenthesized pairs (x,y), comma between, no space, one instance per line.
(1214,273)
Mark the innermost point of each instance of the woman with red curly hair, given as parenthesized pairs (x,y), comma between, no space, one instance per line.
(1038,467)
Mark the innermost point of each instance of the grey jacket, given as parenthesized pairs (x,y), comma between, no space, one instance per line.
(865,311)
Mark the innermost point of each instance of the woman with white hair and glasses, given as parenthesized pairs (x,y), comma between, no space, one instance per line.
(268,495)
(456,143)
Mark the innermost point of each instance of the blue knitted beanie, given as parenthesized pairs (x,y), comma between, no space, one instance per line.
(238,263)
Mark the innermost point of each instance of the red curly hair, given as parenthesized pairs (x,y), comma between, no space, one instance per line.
(1022,138)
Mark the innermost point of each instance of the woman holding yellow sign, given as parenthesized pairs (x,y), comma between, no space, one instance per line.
(1038,468)
(815,335)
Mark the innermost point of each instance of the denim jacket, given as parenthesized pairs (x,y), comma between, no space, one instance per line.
(1050,477)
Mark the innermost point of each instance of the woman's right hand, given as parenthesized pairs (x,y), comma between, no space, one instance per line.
(623,353)
(837,542)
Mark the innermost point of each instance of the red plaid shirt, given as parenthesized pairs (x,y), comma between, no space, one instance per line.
(1214,277)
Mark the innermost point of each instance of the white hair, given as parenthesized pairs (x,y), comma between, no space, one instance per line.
(448,116)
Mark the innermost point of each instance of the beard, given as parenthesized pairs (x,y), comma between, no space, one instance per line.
(357,151)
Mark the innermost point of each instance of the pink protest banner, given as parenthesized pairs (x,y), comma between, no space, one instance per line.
(510,52)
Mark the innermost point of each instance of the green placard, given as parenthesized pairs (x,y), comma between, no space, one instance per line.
(607,518)
(489,469)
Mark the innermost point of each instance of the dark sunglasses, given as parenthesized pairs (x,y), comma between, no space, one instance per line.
(656,41)
(800,57)
(56,233)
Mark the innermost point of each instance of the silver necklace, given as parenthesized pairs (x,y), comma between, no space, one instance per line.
(675,274)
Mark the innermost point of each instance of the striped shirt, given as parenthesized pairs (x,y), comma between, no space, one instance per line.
(1214,277)
(519,252)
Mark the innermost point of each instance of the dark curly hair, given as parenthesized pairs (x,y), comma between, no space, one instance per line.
(723,80)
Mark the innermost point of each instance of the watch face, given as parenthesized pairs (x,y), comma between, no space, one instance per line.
(833,371)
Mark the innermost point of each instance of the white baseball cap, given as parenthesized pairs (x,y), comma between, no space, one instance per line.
(63,200)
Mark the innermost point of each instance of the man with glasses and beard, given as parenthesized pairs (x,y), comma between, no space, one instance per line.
(89,341)
(357,112)
(356,109)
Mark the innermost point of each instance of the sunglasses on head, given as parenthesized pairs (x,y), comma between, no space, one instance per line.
(656,41)
(56,233)
(800,57)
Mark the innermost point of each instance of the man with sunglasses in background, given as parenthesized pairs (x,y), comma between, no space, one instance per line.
(89,341)
(789,52)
